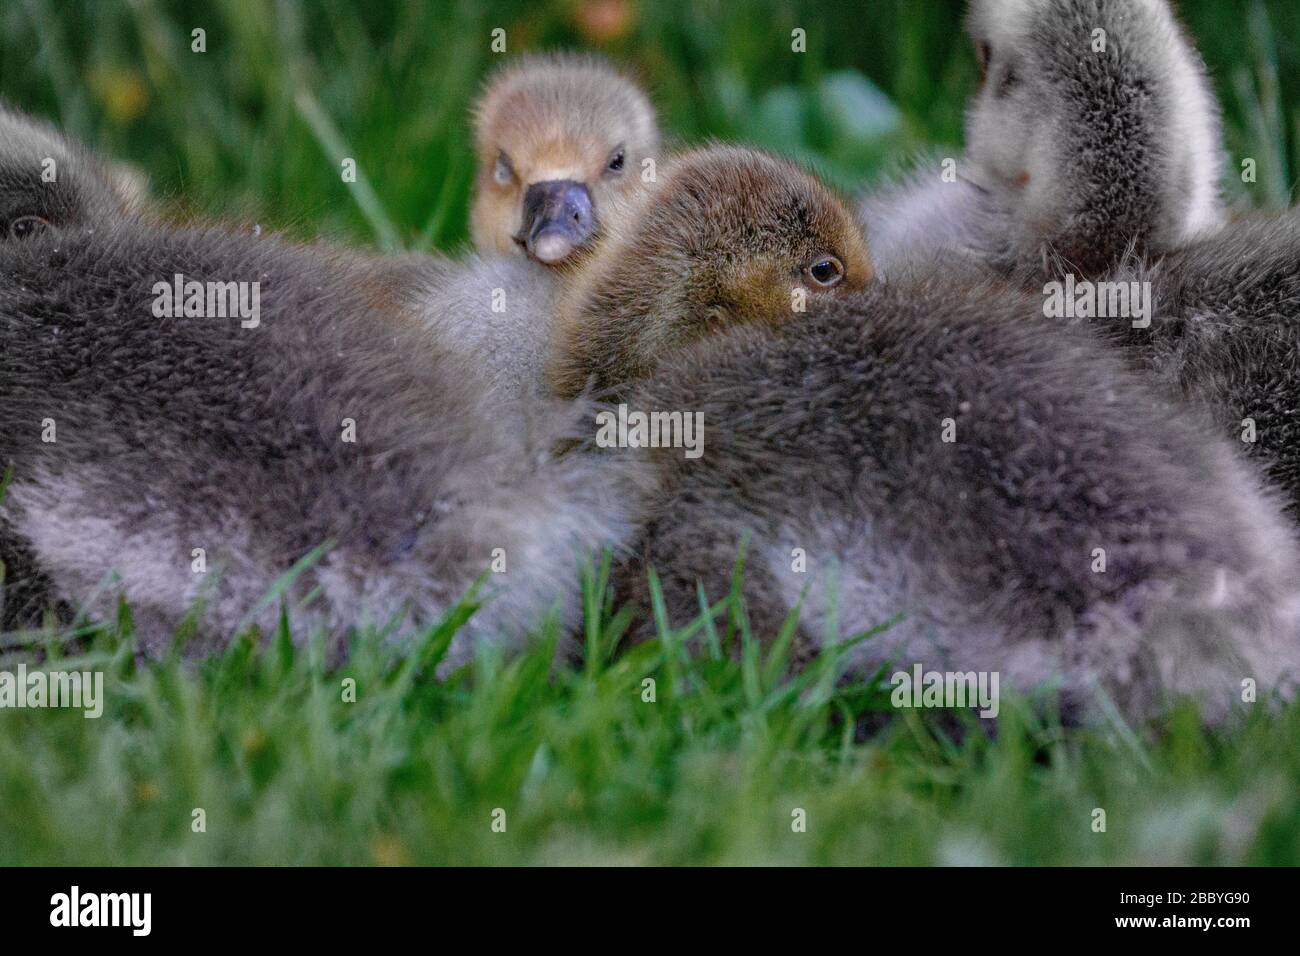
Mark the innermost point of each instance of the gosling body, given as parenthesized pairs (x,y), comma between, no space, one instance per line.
(186,464)
(927,449)
(1009,496)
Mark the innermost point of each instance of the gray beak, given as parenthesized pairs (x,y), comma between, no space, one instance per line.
(558,218)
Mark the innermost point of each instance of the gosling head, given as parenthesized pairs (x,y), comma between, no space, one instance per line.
(47,181)
(1094,127)
(726,236)
(558,138)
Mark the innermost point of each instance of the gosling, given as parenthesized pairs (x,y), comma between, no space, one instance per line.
(928,452)
(1094,134)
(557,138)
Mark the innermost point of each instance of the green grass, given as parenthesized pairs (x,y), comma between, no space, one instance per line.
(585,770)
(287,770)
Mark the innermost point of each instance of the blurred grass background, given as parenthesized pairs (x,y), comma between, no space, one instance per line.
(255,127)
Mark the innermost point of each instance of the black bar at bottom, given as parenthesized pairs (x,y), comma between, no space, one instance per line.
(334,906)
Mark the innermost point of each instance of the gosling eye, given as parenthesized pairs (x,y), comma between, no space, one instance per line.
(616,160)
(825,271)
(503,172)
(1010,80)
(25,226)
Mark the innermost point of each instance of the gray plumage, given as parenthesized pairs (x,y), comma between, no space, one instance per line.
(182,433)
(1075,155)
(45,177)
(920,220)
(1225,333)
(45,180)
(826,435)
(1123,157)
(494,313)
(1123,154)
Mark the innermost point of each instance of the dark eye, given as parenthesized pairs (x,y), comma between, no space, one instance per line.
(826,271)
(503,172)
(615,164)
(982,55)
(24,226)
(1008,82)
